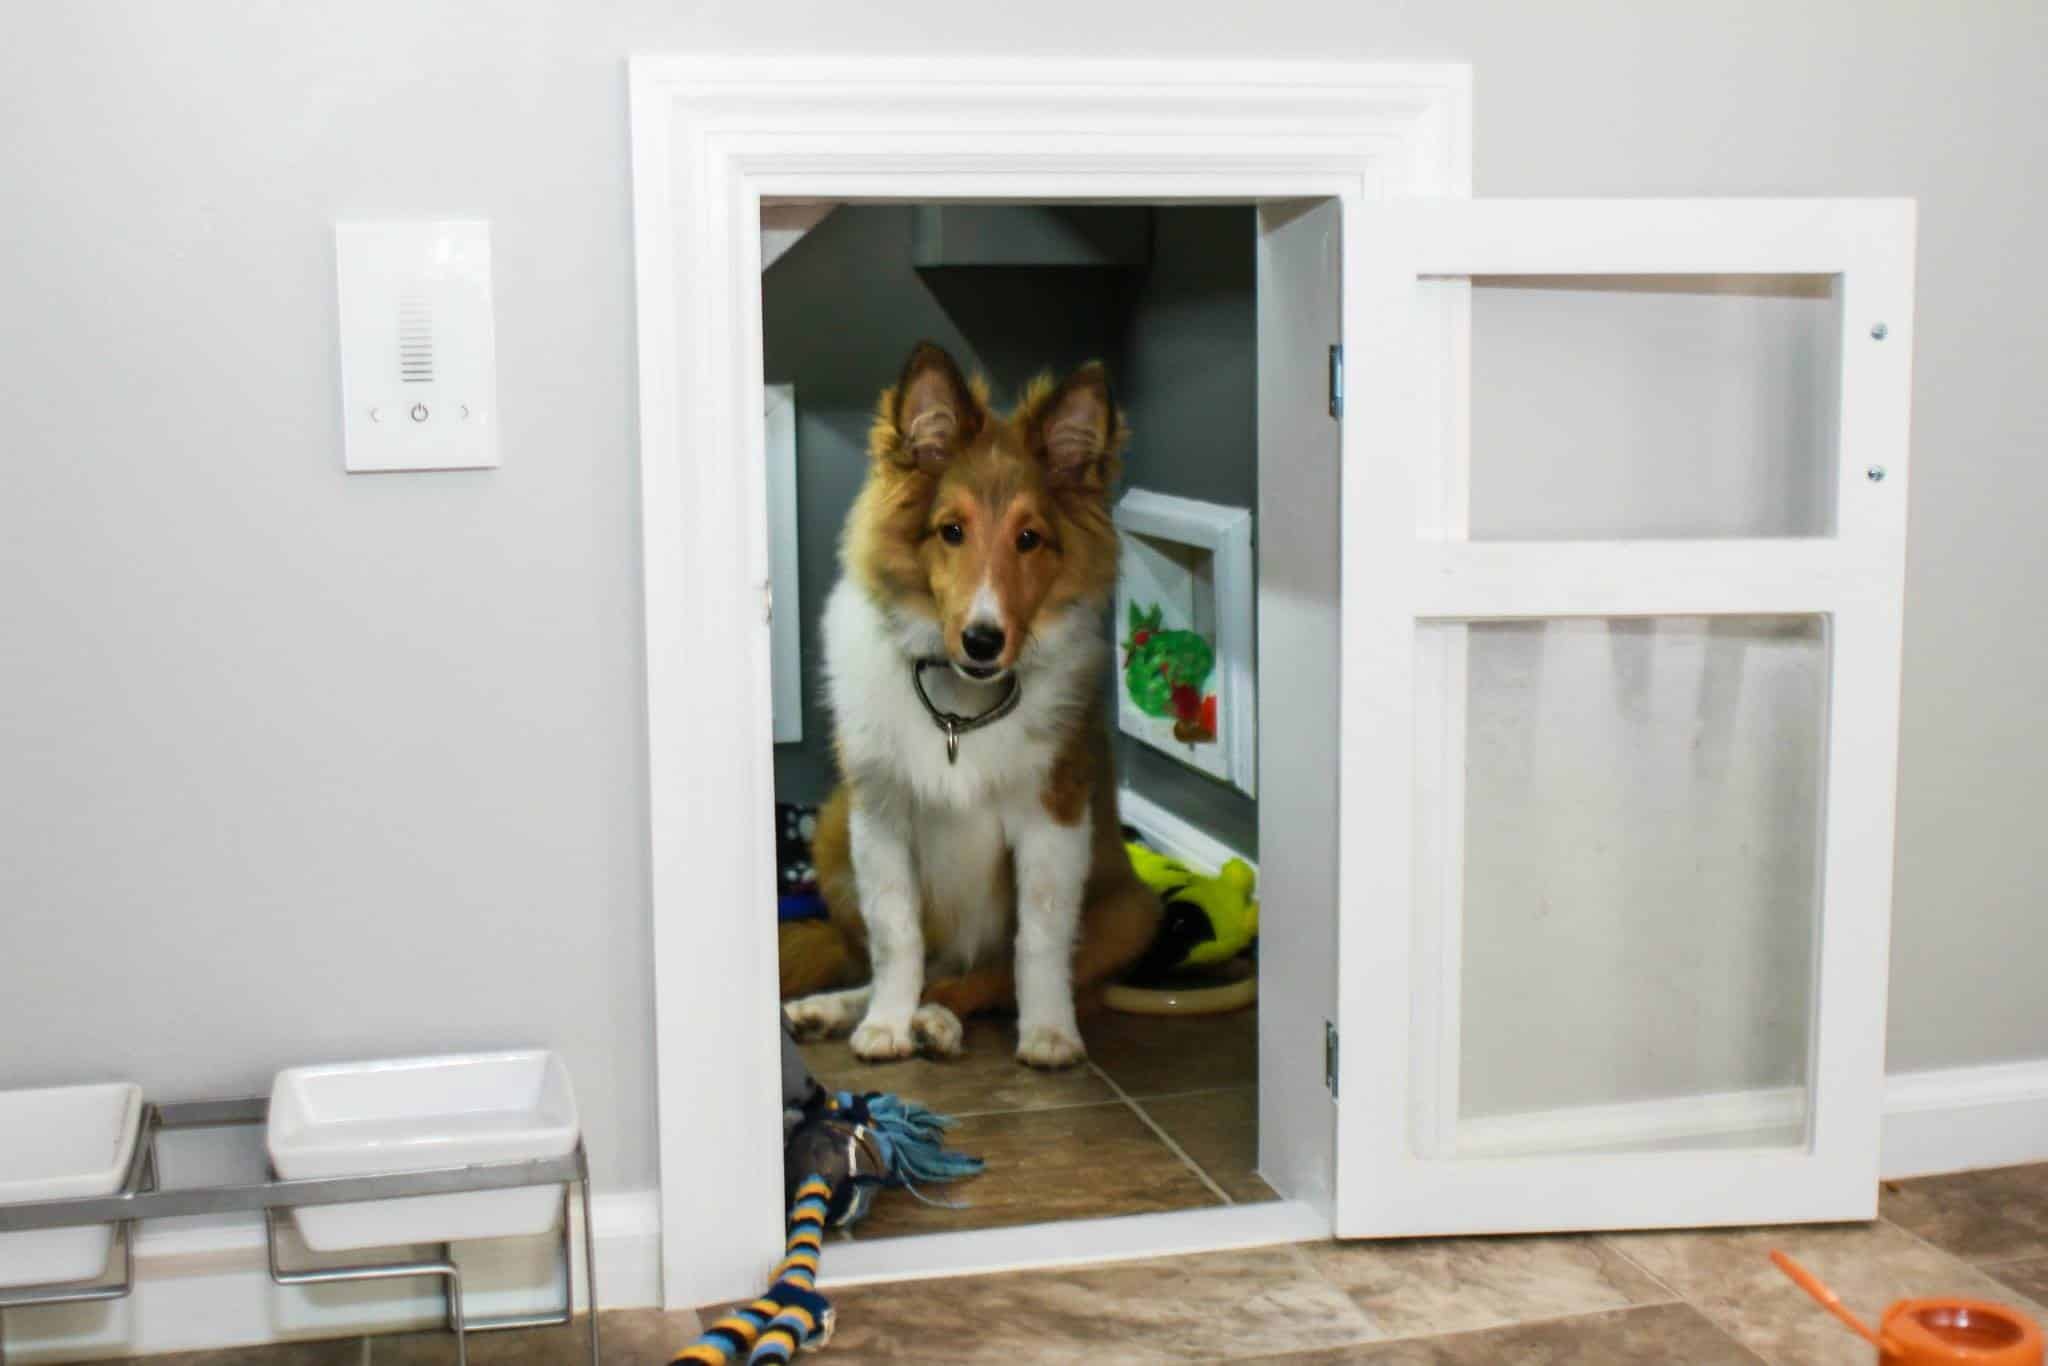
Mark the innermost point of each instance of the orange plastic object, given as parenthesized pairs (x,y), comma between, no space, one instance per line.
(1946,1332)
(1936,1332)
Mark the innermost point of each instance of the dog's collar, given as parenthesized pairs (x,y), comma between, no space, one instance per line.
(952,724)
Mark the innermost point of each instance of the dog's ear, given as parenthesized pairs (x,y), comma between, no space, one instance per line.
(1077,431)
(936,412)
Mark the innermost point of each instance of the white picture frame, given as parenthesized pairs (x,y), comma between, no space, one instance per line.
(785,621)
(1186,576)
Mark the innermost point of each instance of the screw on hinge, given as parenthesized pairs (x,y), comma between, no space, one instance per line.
(1879,331)
(1875,474)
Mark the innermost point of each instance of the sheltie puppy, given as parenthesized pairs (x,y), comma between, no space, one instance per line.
(973,855)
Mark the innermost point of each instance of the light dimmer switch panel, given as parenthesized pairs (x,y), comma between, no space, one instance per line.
(419,382)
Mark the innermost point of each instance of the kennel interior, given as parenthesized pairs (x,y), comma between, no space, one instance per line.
(1163,1115)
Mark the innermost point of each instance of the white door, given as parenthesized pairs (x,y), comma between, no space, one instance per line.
(1622,568)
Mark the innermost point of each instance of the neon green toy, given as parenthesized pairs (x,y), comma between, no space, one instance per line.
(1209,920)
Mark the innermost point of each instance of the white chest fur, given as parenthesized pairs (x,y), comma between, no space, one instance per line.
(885,735)
(959,819)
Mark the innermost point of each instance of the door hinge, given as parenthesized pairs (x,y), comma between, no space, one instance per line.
(1337,382)
(1330,1057)
(768,603)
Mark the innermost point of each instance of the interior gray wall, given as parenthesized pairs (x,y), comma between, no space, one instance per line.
(1190,386)
(301,766)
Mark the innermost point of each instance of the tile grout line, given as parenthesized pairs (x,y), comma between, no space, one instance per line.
(1163,1136)
(1544,1319)
(2006,1261)
(1197,1091)
(1105,1100)
(1384,1336)
(1981,1268)
(1677,1296)
(1035,1109)
(1680,1297)
(1307,1264)
(1767,1358)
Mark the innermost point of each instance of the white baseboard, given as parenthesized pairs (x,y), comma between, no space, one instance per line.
(1956,1119)
(1947,1120)
(1174,836)
(206,1283)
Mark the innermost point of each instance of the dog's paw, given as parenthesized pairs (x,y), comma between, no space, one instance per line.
(817,1017)
(1049,1046)
(883,1041)
(937,1031)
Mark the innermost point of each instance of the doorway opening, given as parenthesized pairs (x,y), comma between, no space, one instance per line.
(1215,323)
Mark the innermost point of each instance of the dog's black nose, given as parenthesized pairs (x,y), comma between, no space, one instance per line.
(982,643)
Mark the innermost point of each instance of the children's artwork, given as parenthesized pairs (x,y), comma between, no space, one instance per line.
(1186,682)
(1168,673)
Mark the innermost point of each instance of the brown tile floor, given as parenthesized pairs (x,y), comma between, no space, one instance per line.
(1163,1116)
(1689,1299)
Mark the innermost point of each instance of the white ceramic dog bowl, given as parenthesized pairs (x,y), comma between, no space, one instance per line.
(59,1143)
(417,1114)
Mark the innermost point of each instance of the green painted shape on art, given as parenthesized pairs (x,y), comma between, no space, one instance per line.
(1156,661)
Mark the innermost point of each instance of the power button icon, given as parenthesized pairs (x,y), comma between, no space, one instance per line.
(419,412)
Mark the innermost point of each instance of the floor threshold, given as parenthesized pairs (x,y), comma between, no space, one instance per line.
(1081,1242)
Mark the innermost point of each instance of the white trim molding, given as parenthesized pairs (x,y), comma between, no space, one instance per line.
(715,141)
(205,1283)
(1175,835)
(779,432)
(1953,1119)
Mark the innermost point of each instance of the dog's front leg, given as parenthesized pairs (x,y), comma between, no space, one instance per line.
(1052,870)
(885,873)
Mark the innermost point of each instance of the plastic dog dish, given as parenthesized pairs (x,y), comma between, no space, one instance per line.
(61,1143)
(421,1114)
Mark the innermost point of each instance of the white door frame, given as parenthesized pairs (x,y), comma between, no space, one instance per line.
(1412,564)
(713,139)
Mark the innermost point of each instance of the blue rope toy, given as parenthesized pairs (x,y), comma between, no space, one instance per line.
(848,1148)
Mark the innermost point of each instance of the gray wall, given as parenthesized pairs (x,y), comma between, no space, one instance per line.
(1190,384)
(302,766)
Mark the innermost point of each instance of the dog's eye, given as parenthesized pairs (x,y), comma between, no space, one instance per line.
(952,533)
(1027,539)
